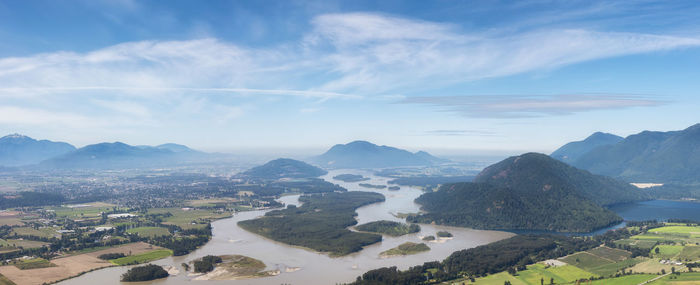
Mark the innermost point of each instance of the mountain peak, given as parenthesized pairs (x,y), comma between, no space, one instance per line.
(573,150)
(16,136)
(284,168)
(17,149)
(364,154)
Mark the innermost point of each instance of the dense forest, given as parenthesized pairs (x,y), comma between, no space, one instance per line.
(539,174)
(528,192)
(320,223)
(206,264)
(389,228)
(484,206)
(144,273)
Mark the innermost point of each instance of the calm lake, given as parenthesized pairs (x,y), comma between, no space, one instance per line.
(660,210)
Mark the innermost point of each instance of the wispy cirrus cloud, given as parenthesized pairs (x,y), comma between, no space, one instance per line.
(455,133)
(521,106)
(344,56)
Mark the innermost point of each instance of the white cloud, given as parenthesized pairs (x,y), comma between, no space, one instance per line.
(373,52)
(496,106)
(344,56)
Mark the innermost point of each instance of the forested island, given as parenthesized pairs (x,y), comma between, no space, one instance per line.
(350,178)
(320,223)
(372,186)
(406,248)
(144,273)
(230,267)
(389,228)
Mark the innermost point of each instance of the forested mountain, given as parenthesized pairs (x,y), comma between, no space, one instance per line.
(665,157)
(177,148)
(116,155)
(533,173)
(284,168)
(528,192)
(17,150)
(573,150)
(362,154)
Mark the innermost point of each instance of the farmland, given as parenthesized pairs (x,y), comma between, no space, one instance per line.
(149,231)
(143,257)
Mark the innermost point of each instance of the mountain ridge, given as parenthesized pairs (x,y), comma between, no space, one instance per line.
(364,154)
(573,150)
(649,156)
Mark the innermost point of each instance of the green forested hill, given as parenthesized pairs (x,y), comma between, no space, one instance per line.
(531,191)
(535,174)
(284,168)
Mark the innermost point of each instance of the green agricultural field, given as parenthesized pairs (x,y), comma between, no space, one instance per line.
(624,280)
(684,231)
(667,251)
(561,274)
(585,260)
(185,218)
(34,263)
(653,266)
(143,258)
(612,268)
(639,243)
(659,237)
(42,232)
(93,210)
(149,231)
(535,273)
(610,253)
(686,278)
(24,243)
(498,279)
(690,253)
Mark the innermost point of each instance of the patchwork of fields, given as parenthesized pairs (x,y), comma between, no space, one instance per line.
(675,243)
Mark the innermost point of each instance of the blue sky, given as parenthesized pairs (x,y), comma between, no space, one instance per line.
(447,76)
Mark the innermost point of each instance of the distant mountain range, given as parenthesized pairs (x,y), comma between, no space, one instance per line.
(284,168)
(362,154)
(529,192)
(115,156)
(574,150)
(19,150)
(663,157)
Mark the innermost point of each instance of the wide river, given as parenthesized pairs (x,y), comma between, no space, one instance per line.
(302,266)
